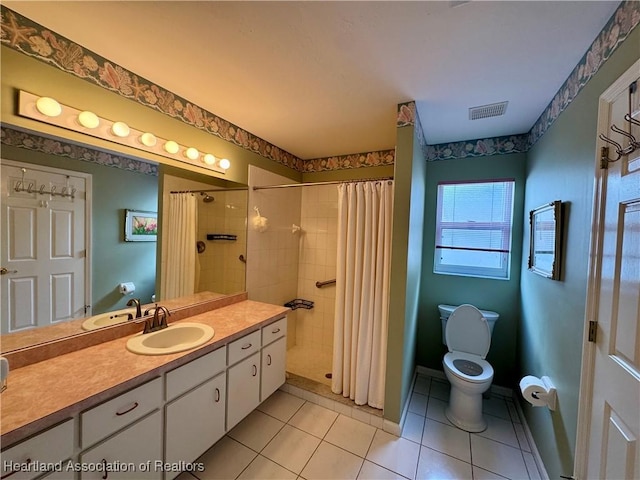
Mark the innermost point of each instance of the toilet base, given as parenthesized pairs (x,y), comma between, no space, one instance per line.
(465,411)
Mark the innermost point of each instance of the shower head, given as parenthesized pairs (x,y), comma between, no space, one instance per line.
(207,198)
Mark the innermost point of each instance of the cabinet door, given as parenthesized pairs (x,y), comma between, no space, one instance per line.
(243,386)
(50,446)
(195,421)
(134,453)
(273,367)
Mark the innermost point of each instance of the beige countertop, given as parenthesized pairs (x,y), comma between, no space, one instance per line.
(45,393)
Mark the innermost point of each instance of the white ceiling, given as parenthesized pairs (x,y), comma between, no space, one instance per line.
(324,78)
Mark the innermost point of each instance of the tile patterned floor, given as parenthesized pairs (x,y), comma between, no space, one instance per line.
(288,437)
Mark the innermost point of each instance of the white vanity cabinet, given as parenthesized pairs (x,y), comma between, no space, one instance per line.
(169,420)
(26,459)
(243,377)
(112,415)
(132,454)
(274,357)
(132,425)
(195,420)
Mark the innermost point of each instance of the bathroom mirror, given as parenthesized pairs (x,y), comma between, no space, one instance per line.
(545,240)
(106,262)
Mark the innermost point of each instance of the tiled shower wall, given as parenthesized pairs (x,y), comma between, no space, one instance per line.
(319,221)
(221,269)
(272,255)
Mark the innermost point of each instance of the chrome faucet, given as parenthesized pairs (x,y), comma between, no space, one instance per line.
(136,302)
(158,321)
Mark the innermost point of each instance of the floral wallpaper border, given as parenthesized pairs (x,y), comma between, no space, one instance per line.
(55,146)
(34,40)
(354,160)
(617,29)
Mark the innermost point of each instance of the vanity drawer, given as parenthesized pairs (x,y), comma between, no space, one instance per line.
(195,372)
(51,446)
(274,331)
(243,347)
(111,416)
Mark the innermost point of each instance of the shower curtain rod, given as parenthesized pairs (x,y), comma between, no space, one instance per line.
(210,190)
(312,184)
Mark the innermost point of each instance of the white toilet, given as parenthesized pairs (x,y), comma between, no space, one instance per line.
(468,338)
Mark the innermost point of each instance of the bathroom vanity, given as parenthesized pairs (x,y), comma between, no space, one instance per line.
(104,410)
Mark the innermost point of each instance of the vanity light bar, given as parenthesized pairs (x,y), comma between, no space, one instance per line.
(88,123)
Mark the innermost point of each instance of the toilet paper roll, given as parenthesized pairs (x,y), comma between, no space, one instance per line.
(532,388)
(127,288)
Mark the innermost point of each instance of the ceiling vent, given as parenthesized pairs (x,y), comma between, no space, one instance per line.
(486,111)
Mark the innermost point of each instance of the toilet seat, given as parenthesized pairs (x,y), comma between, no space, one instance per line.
(487,369)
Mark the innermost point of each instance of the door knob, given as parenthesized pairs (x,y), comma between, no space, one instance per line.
(4,271)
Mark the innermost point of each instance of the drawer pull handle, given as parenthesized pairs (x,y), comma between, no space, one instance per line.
(277,330)
(248,345)
(268,359)
(255,371)
(27,462)
(217,395)
(106,473)
(135,405)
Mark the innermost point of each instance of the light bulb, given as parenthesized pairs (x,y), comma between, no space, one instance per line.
(171,147)
(224,163)
(120,129)
(48,106)
(192,153)
(209,159)
(88,119)
(148,139)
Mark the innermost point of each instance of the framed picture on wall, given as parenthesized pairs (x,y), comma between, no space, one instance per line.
(140,226)
(545,242)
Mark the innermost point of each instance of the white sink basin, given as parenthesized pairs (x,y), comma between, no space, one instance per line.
(175,338)
(108,318)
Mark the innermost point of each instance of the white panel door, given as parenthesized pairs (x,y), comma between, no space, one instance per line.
(43,246)
(612,422)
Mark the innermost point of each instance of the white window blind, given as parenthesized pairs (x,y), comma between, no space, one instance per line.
(473,228)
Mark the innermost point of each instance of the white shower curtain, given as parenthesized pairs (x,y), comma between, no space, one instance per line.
(362,291)
(181,268)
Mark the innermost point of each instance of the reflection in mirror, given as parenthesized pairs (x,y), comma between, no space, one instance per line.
(545,240)
(118,183)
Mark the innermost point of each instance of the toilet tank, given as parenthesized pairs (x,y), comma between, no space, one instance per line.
(446,310)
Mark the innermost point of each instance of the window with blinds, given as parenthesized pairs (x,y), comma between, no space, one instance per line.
(473,228)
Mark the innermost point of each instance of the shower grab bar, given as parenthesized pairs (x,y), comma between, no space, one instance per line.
(325,283)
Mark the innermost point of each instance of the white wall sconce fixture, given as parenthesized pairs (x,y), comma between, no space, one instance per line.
(50,111)
(88,119)
(171,147)
(120,129)
(49,107)
(148,139)
(224,163)
(192,153)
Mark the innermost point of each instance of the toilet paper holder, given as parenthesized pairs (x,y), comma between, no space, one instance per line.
(547,394)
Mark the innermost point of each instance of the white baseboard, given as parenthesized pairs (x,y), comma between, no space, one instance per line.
(396,428)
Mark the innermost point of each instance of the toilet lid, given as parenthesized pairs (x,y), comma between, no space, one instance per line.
(468,331)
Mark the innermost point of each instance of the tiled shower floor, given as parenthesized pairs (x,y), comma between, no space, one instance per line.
(310,363)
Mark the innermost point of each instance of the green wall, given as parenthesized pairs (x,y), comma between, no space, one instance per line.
(113,260)
(501,296)
(406,262)
(561,166)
